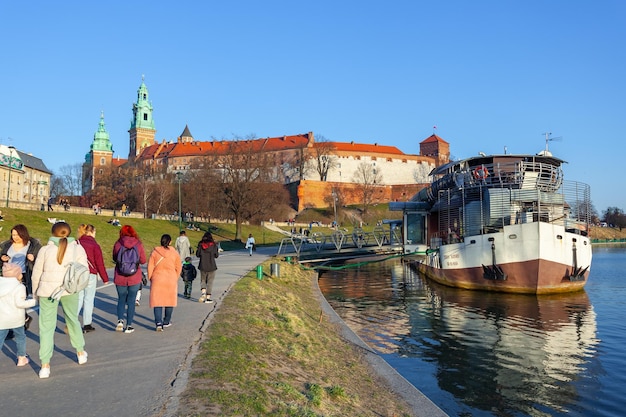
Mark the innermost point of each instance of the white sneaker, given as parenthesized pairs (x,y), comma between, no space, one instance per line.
(82,359)
(120,326)
(44,372)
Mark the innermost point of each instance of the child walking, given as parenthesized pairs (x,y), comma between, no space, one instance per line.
(13,304)
(188,274)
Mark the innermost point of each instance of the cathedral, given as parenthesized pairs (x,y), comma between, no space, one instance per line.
(401,175)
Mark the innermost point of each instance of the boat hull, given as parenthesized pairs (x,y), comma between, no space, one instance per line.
(534,258)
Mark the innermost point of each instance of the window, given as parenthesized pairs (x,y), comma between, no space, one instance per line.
(102,161)
(145,117)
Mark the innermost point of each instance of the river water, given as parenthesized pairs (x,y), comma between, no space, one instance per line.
(486,354)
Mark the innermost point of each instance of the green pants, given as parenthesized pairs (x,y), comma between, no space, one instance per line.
(48,323)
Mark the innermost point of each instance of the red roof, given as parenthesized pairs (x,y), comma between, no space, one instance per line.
(360,148)
(433,138)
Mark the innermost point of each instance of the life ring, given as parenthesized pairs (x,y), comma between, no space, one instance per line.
(480,173)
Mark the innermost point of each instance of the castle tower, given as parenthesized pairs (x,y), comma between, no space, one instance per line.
(186,136)
(99,156)
(142,131)
(437,148)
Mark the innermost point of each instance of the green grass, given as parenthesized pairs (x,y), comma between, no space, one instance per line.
(150,231)
(269,351)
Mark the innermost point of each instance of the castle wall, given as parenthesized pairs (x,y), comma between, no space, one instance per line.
(309,194)
(395,170)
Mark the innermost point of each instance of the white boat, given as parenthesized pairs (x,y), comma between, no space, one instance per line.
(507,223)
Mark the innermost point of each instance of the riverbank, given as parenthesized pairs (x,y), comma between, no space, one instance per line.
(607,234)
(270,349)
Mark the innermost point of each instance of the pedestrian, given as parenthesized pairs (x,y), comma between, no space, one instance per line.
(250,243)
(86,297)
(207,251)
(50,203)
(127,285)
(13,305)
(21,249)
(164,267)
(182,245)
(48,274)
(188,274)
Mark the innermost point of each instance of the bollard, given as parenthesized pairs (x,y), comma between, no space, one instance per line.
(259,271)
(275,270)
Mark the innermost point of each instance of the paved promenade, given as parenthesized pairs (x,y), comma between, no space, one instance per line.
(137,374)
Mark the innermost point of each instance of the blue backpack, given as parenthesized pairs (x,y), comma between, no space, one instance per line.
(127,261)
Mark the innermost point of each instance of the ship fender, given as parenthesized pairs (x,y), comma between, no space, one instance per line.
(493,272)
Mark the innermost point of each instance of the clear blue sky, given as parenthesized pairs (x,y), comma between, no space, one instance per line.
(488,74)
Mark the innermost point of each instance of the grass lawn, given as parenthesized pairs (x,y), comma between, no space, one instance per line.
(149,230)
(269,351)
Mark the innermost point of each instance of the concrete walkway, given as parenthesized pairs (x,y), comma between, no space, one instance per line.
(133,374)
(137,374)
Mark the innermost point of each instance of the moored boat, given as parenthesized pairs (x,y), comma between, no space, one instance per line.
(508,223)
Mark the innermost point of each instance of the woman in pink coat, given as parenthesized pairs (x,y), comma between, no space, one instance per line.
(164,268)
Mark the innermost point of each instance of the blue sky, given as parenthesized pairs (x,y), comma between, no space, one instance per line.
(488,74)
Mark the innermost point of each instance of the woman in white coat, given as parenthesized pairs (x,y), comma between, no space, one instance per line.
(48,274)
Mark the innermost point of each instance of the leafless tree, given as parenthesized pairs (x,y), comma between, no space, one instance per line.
(245,182)
(143,187)
(367,177)
(322,157)
(57,186)
(72,177)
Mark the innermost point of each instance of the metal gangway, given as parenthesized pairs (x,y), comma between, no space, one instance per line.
(340,239)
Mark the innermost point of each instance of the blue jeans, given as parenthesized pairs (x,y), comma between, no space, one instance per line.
(86,299)
(126,302)
(20,339)
(158,315)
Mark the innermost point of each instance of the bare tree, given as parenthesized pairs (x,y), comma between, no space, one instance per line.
(72,177)
(248,190)
(367,177)
(322,157)
(163,193)
(113,186)
(143,188)
(57,186)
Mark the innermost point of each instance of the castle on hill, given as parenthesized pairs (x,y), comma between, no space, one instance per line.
(401,175)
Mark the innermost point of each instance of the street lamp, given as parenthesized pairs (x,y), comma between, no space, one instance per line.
(179,177)
(335,207)
(11,148)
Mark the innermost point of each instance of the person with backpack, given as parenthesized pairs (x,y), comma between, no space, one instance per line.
(128,255)
(208,252)
(188,274)
(86,297)
(48,276)
(163,269)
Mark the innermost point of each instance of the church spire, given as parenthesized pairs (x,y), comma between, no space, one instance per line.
(142,131)
(101,140)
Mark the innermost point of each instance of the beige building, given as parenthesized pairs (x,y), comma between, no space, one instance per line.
(24,179)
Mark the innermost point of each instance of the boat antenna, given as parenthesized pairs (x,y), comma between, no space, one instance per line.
(549,139)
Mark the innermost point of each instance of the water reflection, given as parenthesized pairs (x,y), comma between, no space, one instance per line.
(502,353)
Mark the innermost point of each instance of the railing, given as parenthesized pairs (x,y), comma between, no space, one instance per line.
(339,240)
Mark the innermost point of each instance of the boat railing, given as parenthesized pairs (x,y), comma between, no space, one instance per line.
(490,206)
